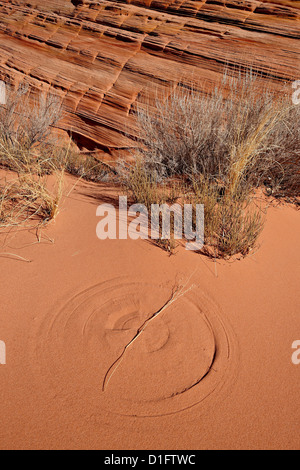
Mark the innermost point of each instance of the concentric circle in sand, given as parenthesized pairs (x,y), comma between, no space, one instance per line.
(124,346)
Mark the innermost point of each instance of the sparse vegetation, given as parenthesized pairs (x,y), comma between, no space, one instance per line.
(194,148)
(232,223)
(26,150)
(29,199)
(84,166)
(240,133)
(221,148)
(141,186)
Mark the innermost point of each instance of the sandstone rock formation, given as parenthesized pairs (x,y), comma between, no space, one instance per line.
(103,56)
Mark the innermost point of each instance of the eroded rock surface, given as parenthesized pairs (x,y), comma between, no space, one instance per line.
(103,56)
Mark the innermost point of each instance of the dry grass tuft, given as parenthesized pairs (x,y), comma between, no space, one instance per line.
(28,149)
(232,224)
(84,166)
(142,188)
(242,133)
(29,200)
(25,149)
(220,147)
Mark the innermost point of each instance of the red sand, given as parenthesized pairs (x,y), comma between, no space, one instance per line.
(212,370)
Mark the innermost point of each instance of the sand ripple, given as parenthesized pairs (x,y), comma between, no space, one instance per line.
(121,345)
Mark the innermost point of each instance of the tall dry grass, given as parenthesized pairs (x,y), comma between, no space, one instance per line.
(28,199)
(141,187)
(232,223)
(29,150)
(27,196)
(243,132)
(222,147)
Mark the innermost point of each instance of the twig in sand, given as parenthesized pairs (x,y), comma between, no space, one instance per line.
(12,255)
(179,292)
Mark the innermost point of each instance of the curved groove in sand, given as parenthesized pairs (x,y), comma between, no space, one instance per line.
(167,361)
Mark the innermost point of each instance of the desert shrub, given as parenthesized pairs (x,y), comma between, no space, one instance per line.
(27,121)
(232,223)
(140,184)
(242,134)
(237,230)
(29,200)
(182,135)
(25,148)
(25,127)
(28,148)
(142,188)
(84,166)
(282,157)
(221,147)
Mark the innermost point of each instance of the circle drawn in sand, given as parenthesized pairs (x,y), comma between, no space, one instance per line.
(135,349)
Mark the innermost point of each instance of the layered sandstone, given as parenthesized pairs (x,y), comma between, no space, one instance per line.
(104,56)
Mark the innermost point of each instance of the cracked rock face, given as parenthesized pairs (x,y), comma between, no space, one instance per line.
(103,57)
